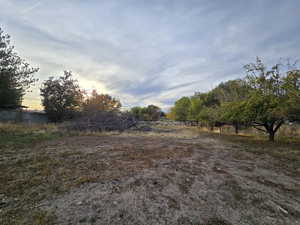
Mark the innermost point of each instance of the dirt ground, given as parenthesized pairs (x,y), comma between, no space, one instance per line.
(165,178)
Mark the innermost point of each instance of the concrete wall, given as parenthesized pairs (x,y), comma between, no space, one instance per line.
(19,116)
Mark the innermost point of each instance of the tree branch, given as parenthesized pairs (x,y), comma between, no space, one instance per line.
(260,129)
(258,124)
(278,126)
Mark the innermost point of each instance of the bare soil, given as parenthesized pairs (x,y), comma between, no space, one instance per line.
(156,178)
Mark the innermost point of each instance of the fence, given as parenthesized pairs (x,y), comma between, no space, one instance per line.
(22,116)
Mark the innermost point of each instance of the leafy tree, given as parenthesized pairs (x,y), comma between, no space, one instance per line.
(149,113)
(61,97)
(101,102)
(171,114)
(231,96)
(269,103)
(209,116)
(232,90)
(181,108)
(292,87)
(230,113)
(16,76)
(154,112)
(137,112)
(195,107)
(205,109)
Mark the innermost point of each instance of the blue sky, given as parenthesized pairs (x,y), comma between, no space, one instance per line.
(149,51)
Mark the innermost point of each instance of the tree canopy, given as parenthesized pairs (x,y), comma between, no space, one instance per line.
(61,97)
(149,113)
(16,75)
(100,102)
(265,99)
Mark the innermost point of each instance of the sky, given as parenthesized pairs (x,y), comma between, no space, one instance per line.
(149,51)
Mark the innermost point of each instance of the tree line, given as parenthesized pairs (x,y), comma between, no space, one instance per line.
(62,97)
(266,98)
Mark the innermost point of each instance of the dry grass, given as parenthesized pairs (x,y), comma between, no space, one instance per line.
(285,150)
(184,171)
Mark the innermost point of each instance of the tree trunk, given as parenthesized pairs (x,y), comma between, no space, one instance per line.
(271,135)
(236,127)
(272,130)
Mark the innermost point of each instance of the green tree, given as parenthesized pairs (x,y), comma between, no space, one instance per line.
(209,116)
(16,76)
(61,97)
(195,107)
(231,96)
(181,108)
(269,103)
(292,87)
(171,114)
(231,113)
(137,112)
(149,113)
(232,90)
(154,112)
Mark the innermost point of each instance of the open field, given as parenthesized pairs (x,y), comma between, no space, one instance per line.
(168,176)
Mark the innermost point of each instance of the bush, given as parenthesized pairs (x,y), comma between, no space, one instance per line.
(102,121)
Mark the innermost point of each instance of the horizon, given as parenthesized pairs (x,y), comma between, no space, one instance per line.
(149,52)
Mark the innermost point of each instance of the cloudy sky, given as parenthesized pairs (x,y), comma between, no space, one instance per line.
(149,51)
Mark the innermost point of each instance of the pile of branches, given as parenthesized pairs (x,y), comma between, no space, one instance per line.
(102,121)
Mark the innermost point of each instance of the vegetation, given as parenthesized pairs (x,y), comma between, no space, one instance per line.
(265,100)
(16,75)
(181,109)
(100,103)
(18,135)
(149,113)
(61,97)
(47,182)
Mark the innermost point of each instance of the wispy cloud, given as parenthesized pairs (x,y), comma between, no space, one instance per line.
(32,7)
(150,51)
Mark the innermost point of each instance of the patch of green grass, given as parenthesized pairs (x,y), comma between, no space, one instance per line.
(21,135)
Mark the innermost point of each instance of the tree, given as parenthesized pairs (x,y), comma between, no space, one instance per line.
(292,87)
(270,101)
(149,113)
(195,107)
(230,113)
(61,97)
(171,114)
(209,116)
(137,112)
(153,112)
(231,96)
(232,90)
(101,102)
(16,76)
(181,108)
